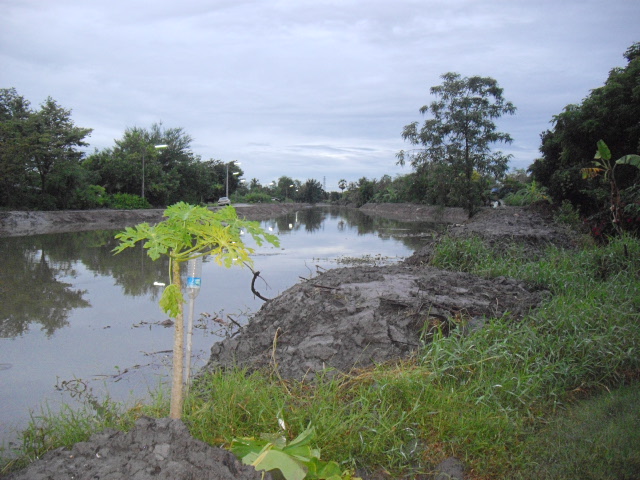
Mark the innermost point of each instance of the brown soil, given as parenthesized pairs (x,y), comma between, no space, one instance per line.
(341,319)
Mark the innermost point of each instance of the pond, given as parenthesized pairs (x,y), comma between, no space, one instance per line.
(72,313)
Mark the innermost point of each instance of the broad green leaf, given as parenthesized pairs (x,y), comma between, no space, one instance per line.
(290,468)
(603,151)
(629,160)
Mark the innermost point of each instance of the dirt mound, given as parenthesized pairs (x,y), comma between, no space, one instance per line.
(160,449)
(355,317)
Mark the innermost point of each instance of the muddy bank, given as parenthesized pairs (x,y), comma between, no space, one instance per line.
(19,223)
(410,212)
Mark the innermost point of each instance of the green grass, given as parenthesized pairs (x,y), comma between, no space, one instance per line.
(490,398)
(597,438)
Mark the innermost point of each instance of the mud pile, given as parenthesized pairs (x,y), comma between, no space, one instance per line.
(355,317)
(160,449)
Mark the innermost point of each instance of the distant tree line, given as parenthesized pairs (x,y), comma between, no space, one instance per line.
(453,159)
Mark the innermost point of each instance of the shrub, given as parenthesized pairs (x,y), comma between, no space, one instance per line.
(257,198)
(127,201)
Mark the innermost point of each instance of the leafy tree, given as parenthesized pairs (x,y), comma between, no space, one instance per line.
(190,232)
(14,112)
(311,192)
(171,174)
(53,139)
(460,134)
(39,160)
(342,184)
(610,113)
(286,187)
(606,166)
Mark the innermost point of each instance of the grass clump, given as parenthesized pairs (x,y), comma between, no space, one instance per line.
(502,399)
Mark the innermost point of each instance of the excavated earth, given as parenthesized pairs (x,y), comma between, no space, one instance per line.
(340,320)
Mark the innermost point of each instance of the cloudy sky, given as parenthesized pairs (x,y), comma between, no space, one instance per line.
(310,89)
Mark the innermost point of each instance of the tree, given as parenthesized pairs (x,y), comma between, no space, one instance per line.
(311,192)
(39,160)
(171,174)
(14,112)
(286,187)
(610,113)
(53,140)
(342,184)
(461,134)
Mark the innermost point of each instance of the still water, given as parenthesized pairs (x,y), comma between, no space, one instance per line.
(71,310)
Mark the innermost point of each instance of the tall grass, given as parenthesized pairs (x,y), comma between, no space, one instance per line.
(480,397)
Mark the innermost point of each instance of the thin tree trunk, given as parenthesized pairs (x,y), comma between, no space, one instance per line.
(178,352)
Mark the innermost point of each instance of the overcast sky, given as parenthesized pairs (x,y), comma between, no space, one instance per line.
(310,89)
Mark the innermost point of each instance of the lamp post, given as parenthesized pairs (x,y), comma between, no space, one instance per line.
(143,156)
(234,173)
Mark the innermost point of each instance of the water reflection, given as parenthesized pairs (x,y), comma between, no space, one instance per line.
(36,279)
(30,292)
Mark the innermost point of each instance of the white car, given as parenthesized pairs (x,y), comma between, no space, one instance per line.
(222,201)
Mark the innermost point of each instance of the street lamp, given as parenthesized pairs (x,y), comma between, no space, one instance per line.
(143,155)
(234,173)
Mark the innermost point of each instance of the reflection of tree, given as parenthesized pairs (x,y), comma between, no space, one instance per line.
(30,292)
(132,269)
(309,218)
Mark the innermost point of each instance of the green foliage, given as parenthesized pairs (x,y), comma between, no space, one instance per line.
(296,460)
(609,112)
(460,134)
(257,198)
(605,166)
(39,156)
(568,215)
(310,192)
(127,201)
(531,193)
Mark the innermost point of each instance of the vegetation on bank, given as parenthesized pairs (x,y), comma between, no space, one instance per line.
(502,399)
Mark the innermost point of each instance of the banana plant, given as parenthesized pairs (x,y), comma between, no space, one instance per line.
(190,232)
(604,165)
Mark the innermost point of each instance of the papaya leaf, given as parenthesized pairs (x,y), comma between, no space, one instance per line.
(171,300)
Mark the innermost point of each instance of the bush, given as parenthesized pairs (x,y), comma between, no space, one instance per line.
(257,198)
(532,193)
(90,196)
(127,201)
